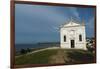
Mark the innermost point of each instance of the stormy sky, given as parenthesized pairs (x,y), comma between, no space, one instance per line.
(40,23)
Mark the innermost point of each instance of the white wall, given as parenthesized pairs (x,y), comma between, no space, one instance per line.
(65,30)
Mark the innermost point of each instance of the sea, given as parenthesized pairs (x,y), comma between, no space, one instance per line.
(18,47)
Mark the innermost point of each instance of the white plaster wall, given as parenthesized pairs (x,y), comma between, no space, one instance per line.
(63,32)
(75,36)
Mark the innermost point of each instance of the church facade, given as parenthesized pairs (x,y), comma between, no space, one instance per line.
(72,35)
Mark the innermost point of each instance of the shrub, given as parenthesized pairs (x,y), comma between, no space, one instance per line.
(90,48)
(28,50)
(23,51)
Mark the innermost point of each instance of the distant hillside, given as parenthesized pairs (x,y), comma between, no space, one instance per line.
(48,43)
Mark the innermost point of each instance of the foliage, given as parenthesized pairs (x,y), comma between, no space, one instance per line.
(91,49)
(28,50)
(23,51)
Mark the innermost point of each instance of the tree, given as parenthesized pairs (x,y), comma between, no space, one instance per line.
(90,48)
(23,51)
(28,50)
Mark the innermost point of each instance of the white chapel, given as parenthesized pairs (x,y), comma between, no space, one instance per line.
(72,35)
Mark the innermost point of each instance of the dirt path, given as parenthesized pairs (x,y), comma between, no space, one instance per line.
(57,58)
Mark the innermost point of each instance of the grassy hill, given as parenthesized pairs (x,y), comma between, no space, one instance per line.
(57,56)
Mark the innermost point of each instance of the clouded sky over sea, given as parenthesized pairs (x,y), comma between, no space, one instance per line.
(40,23)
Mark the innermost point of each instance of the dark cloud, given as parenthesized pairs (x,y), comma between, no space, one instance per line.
(41,23)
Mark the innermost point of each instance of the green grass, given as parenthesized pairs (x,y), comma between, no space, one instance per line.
(18,53)
(79,56)
(36,58)
(71,56)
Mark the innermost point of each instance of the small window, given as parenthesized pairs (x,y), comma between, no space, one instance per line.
(64,38)
(80,37)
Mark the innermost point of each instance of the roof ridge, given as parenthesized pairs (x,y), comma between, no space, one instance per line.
(72,20)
